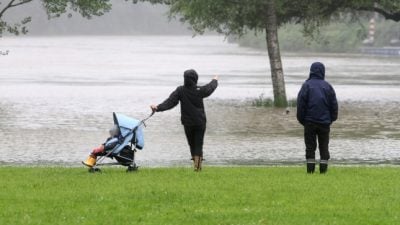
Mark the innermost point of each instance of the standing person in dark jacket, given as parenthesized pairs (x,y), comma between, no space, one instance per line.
(317,108)
(193,116)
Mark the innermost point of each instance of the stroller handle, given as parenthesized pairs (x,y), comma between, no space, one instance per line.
(151,114)
(142,122)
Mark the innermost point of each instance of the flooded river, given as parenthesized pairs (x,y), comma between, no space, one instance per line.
(57,96)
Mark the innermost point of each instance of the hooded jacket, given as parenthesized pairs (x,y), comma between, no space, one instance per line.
(316,101)
(191,98)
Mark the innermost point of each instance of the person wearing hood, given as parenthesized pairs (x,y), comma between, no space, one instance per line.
(193,116)
(317,109)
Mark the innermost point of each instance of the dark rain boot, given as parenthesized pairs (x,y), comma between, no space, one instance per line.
(323,168)
(310,167)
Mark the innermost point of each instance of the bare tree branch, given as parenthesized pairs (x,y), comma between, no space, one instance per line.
(395,16)
(392,16)
(5,8)
(21,3)
(10,5)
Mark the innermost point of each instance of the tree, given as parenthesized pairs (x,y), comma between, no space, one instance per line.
(235,17)
(54,8)
(389,9)
(17,27)
(231,17)
(240,16)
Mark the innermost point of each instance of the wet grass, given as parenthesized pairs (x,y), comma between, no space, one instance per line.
(263,101)
(238,195)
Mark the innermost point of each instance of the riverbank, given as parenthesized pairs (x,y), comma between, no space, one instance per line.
(229,195)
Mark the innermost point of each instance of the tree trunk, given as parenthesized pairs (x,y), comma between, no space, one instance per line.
(278,81)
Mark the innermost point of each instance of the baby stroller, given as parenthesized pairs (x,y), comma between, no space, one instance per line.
(123,147)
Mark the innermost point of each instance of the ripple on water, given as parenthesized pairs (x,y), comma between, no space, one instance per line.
(54,110)
(236,134)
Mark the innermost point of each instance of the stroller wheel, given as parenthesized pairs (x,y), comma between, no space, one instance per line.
(132,168)
(94,170)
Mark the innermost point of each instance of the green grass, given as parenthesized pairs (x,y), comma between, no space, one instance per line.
(237,195)
(262,101)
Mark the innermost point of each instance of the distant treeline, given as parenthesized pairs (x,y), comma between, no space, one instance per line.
(335,37)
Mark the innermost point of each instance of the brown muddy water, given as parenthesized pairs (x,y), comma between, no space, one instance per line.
(57,96)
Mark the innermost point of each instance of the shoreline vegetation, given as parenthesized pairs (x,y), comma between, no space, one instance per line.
(217,195)
(337,37)
(263,101)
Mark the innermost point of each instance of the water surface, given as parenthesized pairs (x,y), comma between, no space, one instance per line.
(57,96)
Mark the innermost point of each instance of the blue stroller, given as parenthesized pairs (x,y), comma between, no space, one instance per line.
(123,146)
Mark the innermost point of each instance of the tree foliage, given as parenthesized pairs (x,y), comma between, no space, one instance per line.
(239,16)
(224,16)
(53,8)
(87,8)
(15,28)
(389,9)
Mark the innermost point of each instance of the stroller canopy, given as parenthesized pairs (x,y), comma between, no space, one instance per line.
(130,130)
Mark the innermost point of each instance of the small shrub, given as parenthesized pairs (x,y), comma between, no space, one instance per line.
(261,101)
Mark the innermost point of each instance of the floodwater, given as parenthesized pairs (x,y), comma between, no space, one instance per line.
(57,95)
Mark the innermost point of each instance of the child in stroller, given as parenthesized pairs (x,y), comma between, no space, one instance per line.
(126,136)
(109,144)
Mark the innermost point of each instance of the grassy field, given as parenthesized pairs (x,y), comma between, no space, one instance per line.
(217,195)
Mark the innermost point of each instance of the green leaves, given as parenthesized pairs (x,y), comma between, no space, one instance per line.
(223,16)
(54,8)
(87,8)
(239,16)
(15,28)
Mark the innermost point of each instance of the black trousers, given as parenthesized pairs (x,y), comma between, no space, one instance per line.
(195,139)
(312,132)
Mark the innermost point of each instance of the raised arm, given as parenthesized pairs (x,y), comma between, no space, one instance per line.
(209,88)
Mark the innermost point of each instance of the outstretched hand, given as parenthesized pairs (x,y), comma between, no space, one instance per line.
(216,77)
(153,108)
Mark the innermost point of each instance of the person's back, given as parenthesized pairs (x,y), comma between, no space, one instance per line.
(193,116)
(317,99)
(317,108)
(191,99)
